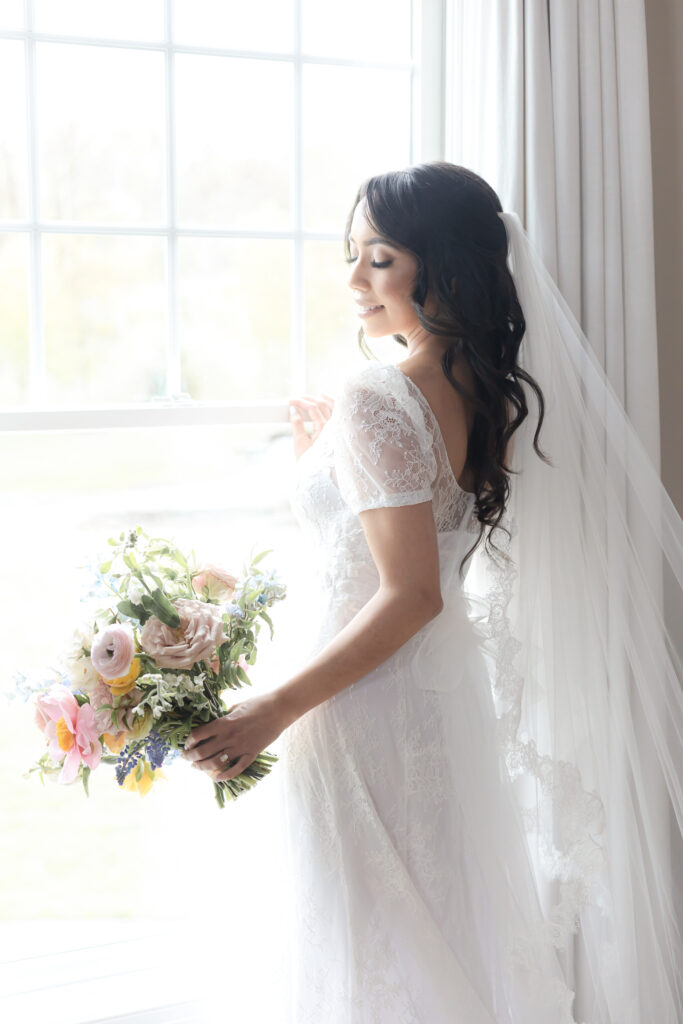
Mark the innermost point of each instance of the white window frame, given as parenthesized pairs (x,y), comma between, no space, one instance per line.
(427,70)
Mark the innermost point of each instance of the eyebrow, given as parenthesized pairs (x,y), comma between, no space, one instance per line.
(372,241)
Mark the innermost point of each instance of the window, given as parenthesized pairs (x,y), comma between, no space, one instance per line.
(174,181)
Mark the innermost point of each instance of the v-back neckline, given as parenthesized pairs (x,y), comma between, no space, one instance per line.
(420,393)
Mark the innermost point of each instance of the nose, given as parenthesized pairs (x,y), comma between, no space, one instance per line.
(355,279)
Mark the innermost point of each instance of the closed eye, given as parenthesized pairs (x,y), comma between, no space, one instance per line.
(386,263)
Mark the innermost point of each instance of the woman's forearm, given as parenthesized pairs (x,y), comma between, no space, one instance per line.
(382,625)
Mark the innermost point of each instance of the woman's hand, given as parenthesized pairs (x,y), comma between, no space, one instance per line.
(238,737)
(318,410)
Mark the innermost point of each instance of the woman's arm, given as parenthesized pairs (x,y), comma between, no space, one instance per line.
(403,544)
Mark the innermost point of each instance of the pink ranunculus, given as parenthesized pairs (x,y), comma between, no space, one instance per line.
(71,731)
(220,584)
(113,650)
(100,695)
(196,639)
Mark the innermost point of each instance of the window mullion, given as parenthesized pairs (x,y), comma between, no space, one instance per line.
(298,298)
(428,46)
(173,361)
(37,375)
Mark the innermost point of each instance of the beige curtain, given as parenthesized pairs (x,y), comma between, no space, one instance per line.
(548,101)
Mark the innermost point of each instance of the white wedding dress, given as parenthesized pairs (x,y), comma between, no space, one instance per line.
(415,899)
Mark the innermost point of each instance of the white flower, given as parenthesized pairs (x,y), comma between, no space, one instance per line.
(135,590)
(79,667)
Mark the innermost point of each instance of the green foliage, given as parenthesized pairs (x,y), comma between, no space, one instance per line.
(147,576)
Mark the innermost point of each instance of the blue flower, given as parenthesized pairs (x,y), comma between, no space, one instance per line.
(235,611)
(127,760)
(156,748)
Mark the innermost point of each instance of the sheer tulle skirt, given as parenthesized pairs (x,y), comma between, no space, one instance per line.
(414,898)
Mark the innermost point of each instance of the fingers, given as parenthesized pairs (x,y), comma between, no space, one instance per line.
(224,775)
(315,408)
(199,734)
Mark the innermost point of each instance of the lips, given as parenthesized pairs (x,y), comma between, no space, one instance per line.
(367,309)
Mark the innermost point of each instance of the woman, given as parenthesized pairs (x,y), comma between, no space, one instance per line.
(418,896)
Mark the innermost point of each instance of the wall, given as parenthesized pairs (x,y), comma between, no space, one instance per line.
(664,20)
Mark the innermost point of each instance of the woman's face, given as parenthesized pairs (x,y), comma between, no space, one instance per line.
(382,279)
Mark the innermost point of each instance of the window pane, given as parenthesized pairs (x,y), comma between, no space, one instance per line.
(331,334)
(265,25)
(374,30)
(219,491)
(332,326)
(234,317)
(13,145)
(12,14)
(105,318)
(356,123)
(125,19)
(234,141)
(14,343)
(101,126)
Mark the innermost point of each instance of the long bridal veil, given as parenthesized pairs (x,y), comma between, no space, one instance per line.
(583,635)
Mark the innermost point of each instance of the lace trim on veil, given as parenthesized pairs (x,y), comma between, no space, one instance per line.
(566,825)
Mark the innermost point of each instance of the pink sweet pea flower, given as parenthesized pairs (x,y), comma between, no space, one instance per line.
(219,584)
(71,731)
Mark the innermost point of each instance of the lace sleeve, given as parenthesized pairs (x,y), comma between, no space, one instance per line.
(383,449)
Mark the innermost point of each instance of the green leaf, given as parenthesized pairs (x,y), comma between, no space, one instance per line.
(134,611)
(105,567)
(132,562)
(265,616)
(262,555)
(164,609)
(85,776)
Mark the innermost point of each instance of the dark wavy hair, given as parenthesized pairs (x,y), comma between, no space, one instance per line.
(447,217)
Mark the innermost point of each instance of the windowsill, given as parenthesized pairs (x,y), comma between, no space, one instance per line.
(148,414)
(73,972)
(120,972)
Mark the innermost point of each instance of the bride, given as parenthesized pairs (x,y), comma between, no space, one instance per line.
(481,755)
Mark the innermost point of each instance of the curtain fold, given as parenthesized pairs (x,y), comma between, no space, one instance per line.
(548,101)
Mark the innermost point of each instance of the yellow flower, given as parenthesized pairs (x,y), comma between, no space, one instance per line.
(141,778)
(142,725)
(65,737)
(124,684)
(115,741)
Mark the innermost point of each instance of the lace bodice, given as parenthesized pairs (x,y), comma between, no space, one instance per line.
(382,447)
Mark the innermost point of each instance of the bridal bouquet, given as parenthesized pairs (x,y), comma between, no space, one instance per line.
(153,664)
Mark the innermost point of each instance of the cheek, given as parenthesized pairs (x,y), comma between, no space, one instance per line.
(401,286)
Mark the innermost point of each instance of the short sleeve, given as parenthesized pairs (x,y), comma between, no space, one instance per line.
(383,451)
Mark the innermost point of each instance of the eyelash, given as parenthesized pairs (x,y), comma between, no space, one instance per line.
(386,263)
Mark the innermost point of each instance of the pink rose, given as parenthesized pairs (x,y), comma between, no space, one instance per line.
(71,731)
(100,694)
(113,650)
(195,639)
(219,583)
